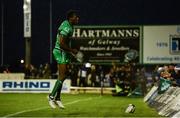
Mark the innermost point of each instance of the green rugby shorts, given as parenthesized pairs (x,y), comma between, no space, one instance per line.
(61,56)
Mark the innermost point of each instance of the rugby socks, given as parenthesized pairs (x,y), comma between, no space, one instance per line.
(56,88)
(58,93)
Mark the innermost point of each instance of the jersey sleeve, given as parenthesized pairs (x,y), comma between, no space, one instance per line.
(64,31)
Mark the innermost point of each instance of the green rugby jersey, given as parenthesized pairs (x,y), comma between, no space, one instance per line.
(64,30)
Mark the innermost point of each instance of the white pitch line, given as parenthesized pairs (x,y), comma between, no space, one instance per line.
(37,109)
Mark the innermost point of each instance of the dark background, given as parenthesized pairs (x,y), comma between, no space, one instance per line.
(92,12)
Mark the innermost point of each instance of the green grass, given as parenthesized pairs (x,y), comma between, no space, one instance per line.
(78,105)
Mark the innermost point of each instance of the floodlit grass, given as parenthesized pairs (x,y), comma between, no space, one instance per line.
(78,105)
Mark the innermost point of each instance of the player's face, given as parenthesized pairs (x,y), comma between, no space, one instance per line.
(75,19)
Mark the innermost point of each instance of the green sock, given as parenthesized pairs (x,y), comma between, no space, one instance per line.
(58,93)
(57,85)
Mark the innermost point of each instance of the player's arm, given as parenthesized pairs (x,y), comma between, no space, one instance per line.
(65,47)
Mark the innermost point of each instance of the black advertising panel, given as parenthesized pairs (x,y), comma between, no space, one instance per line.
(106,44)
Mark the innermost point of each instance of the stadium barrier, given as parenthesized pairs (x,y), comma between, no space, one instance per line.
(167,104)
(15,83)
(45,86)
(106,90)
(12,76)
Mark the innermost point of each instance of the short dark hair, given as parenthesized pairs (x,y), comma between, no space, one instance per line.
(71,13)
(171,64)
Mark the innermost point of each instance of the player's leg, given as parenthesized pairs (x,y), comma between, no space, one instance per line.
(58,57)
(62,59)
(62,68)
(54,96)
(59,81)
(62,77)
(58,93)
(54,92)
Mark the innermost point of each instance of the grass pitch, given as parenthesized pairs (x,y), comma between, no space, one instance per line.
(78,105)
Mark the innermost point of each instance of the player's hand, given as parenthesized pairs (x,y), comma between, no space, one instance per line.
(74,51)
